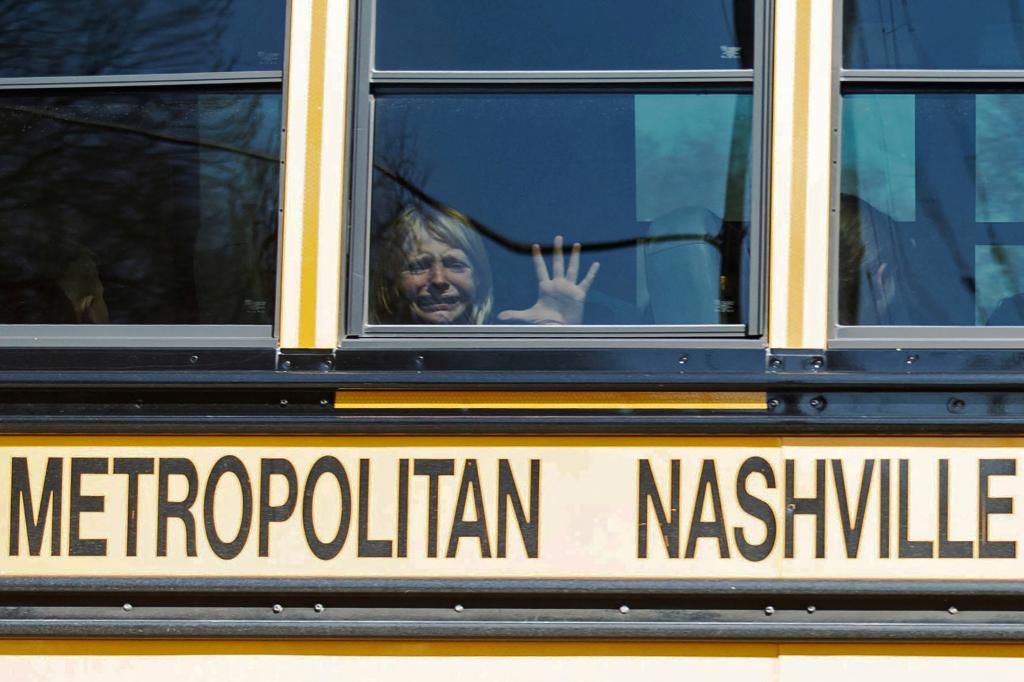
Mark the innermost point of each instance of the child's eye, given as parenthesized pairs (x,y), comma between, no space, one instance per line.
(418,266)
(456,264)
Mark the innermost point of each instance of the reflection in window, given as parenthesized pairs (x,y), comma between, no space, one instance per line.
(654,187)
(529,35)
(41,38)
(932,215)
(932,34)
(139,208)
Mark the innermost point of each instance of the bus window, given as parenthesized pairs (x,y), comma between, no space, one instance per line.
(930,214)
(596,191)
(139,166)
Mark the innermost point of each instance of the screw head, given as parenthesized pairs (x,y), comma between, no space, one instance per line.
(284,402)
(911,359)
(324,402)
(277,608)
(683,359)
(286,365)
(459,608)
(623,609)
(775,363)
(127,607)
(817,363)
(818,403)
(319,608)
(811,609)
(193,359)
(953,610)
(773,403)
(955,405)
(769,610)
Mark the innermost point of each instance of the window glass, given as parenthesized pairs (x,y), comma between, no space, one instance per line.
(139,207)
(654,186)
(933,34)
(564,34)
(931,218)
(102,37)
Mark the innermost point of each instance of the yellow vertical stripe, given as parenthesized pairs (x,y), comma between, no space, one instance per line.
(311,194)
(798,189)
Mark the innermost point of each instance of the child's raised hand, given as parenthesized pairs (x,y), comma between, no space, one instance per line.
(560,298)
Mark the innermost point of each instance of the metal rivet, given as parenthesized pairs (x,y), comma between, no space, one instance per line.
(127,607)
(284,402)
(818,403)
(277,608)
(193,359)
(326,365)
(459,608)
(955,405)
(953,610)
(791,507)
(811,609)
(775,362)
(911,359)
(623,609)
(769,610)
(817,363)
(324,402)
(286,364)
(319,608)
(684,359)
(773,403)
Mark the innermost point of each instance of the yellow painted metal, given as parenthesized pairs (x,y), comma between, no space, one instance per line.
(547,400)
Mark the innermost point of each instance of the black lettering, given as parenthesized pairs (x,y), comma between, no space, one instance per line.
(884,504)
(229,464)
(715,528)
(814,506)
(757,508)
(330,549)
(49,506)
(132,467)
(668,523)
(852,530)
(275,513)
(949,549)
(368,547)
(910,549)
(994,549)
(461,528)
(81,504)
(508,493)
(165,509)
(433,469)
(403,508)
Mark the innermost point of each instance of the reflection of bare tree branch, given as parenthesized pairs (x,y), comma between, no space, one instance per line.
(523,247)
(163,137)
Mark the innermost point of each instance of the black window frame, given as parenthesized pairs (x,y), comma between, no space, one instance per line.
(355,333)
(900,81)
(101,336)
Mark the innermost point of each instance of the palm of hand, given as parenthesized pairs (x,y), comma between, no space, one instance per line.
(560,298)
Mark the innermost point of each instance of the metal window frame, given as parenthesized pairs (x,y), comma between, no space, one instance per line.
(355,332)
(896,336)
(159,335)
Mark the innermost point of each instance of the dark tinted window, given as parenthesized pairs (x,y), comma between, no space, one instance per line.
(564,34)
(932,216)
(932,34)
(139,207)
(108,37)
(654,186)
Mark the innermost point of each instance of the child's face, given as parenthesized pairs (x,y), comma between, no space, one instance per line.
(437,280)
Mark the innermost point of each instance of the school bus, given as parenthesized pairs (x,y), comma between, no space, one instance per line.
(511,339)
